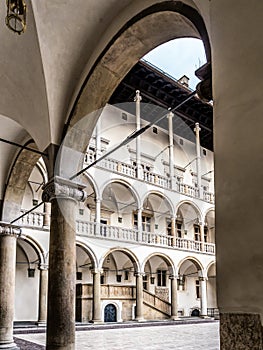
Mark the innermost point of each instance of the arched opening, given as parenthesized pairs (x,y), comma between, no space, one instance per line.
(189,288)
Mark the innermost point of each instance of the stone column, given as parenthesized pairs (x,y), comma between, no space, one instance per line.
(98,139)
(97,216)
(138,99)
(173,230)
(203,299)
(96,303)
(8,238)
(43,284)
(174,310)
(47,213)
(63,195)
(198,158)
(139,297)
(139,216)
(171,149)
(202,239)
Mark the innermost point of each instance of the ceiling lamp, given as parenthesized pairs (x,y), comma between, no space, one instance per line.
(16,15)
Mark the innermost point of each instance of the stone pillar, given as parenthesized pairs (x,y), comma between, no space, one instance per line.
(96,303)
(173,230)
(138,99)
(139,216)
(43,284)
(47,214)
(139,297)
(203,299)
(174,309)
(8,238)
(171,149)
(97,216)
(63,195)
(98,139)
(198,158)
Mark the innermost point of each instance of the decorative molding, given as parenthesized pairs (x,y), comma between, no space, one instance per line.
(9,230)
(63,188)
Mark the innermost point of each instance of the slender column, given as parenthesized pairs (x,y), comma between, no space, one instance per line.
(138,99)
(47,213)
(97,216)
(202,236)
(63,195)
(203,299)
(8,238)
(198,157)
(139,297)
(174,309)
(98,139)
(171,149)
(139,216)
(96,304)
(43,284)
(173,230)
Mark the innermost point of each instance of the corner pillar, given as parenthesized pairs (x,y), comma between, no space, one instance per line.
(8,239)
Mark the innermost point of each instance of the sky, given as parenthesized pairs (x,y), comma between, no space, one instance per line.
(179,57)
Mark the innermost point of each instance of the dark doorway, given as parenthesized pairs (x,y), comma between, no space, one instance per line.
(110,313)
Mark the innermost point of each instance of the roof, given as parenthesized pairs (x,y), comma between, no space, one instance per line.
(160,91)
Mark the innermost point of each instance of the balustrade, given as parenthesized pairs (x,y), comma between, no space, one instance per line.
(35,219)
(148,176)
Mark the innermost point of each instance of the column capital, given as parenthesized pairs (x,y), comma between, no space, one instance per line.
(137,97)
(59,187)
(7,229)
(139,273)
(170,114)
(96,270)
(43,267)
(197,127)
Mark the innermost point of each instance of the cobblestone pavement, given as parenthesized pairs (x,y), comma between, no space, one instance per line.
(203,336)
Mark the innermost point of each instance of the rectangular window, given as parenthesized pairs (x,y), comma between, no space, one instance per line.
(126,275)
(102,279)
(206,234)
(197,232)
(146,222)
(161,278)
(179,229)
(168,227)
(118,278)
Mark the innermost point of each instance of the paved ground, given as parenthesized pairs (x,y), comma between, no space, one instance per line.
(203,336)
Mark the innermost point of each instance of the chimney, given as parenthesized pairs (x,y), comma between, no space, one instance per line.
(184,80)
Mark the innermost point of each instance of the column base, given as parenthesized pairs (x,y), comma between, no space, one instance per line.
(41,323)
(240,331)
(140,319)
(96,321)
(204,316)
(174,318)
(10,346)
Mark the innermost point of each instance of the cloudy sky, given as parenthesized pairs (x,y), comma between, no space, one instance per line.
(179,57)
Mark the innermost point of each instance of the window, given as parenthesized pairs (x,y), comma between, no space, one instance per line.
(181,141)
(102,279)
(146,222)
(145,282)
(179,229)
(79,275)
(168,227)
(161,278)
(197,289)
(206,234)
(124,116)
(118,278)
(35,202)
(126,275)
(81,211)
(197,232)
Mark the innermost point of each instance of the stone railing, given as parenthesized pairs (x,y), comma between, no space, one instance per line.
(34,219)
(159,304)
(85,290)
(150,177)
(92,229)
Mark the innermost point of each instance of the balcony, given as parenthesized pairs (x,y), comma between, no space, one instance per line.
(102,231)
(91,229)
(113,165)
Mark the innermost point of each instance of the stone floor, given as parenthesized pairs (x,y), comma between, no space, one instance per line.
(201,336)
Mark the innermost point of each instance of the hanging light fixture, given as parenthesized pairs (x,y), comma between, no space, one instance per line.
(16,15)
